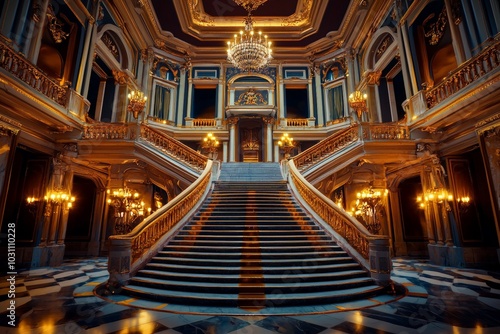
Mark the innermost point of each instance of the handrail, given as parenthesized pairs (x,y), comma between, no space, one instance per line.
(128,251)
(353,134)
(173,147)
(370,248)
(327,147)
(16,64)
(468,72)
(169,145)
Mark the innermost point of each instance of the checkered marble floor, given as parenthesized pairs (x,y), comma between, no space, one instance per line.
(438,300)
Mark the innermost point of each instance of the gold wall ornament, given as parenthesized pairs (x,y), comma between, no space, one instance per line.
(111,45)
(121,78)
(373,77)
(137,102)
(435,31)
(55,26)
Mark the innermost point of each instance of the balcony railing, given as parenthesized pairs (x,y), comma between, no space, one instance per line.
(127,252)
(327,147)
(344,138)
(373,249)
(163,142)
(31,75)
(385,131)
(173,147)
(297,122)
(467,73)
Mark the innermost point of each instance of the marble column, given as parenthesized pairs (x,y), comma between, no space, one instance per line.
(232,121)
(269,121)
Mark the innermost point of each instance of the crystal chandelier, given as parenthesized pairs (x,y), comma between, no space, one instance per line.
(249,51)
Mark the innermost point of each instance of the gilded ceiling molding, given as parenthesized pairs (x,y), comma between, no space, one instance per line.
(299,18)
(488,124)
(199,17)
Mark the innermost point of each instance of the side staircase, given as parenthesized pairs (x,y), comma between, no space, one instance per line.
(251,246)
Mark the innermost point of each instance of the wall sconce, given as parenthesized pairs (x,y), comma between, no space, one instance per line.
(368,208)
(210,143)
(60,197)
(287,144)
(357,101)
(436,195)
(463,203)
(137,101)
(128,207)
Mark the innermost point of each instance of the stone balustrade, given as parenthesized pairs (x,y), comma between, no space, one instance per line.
(173,147)
(466,74)
(17,65)
(327,147)
(373,250)
(127,252)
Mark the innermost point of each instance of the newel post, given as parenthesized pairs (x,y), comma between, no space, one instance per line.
(380,261)
(119,260)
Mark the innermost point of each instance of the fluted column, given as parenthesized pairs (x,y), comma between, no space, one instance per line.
(232,121)
(269,121)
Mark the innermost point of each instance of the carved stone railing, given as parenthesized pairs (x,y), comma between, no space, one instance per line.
(385,131)
(466,74)
(297,122)
(131,131)
(204,122)
(327,147)
(372,251)
(354,134)
(20,67)
(173,147)
(128,252)
(107,131)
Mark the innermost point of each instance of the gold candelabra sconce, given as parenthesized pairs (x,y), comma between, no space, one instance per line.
(357,101)
(136,103)
(436,195)
(60,197)
(128,208)
(464,203)
(287,144)
(369,208)
(210,144)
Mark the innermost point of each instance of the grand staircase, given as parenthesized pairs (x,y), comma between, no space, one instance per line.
(251,246)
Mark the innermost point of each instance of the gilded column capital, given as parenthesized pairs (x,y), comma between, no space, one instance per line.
(373,77)
(232,120)
(121,78)
(269,120)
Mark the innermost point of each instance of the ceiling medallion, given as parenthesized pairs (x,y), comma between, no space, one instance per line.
(249,51)
(250,5)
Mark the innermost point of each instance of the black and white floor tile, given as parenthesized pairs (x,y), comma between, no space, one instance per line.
(438,300)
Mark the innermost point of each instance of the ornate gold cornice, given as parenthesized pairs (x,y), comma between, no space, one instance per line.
(301,17)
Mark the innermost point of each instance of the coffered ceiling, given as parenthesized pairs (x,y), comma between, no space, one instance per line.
(296,27)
